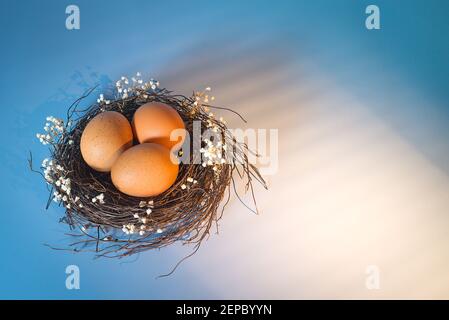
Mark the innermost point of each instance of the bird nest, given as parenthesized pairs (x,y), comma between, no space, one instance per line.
(112,224)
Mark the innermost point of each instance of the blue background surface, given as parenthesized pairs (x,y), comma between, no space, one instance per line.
(44,67)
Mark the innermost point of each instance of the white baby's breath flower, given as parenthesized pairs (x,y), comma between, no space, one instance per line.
(99,198)
(129,228)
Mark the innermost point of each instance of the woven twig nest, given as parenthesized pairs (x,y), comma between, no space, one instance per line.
(113,224)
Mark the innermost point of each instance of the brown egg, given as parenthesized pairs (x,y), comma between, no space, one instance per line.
(155,121)
(144,170)
(104,139)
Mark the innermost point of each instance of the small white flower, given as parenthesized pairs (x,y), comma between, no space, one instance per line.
(149,211)
(98,198)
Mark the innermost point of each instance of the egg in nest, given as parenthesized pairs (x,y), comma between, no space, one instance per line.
(155,121)
(104,139)
(144,170)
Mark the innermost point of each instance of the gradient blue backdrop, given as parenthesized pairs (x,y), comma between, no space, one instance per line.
(44,67)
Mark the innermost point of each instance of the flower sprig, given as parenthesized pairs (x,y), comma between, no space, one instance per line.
(148,204)
(212,154)
(142,218)
(126,88)
(189,182)
(53,128)
(99,198)
(200,101)
(55,175)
